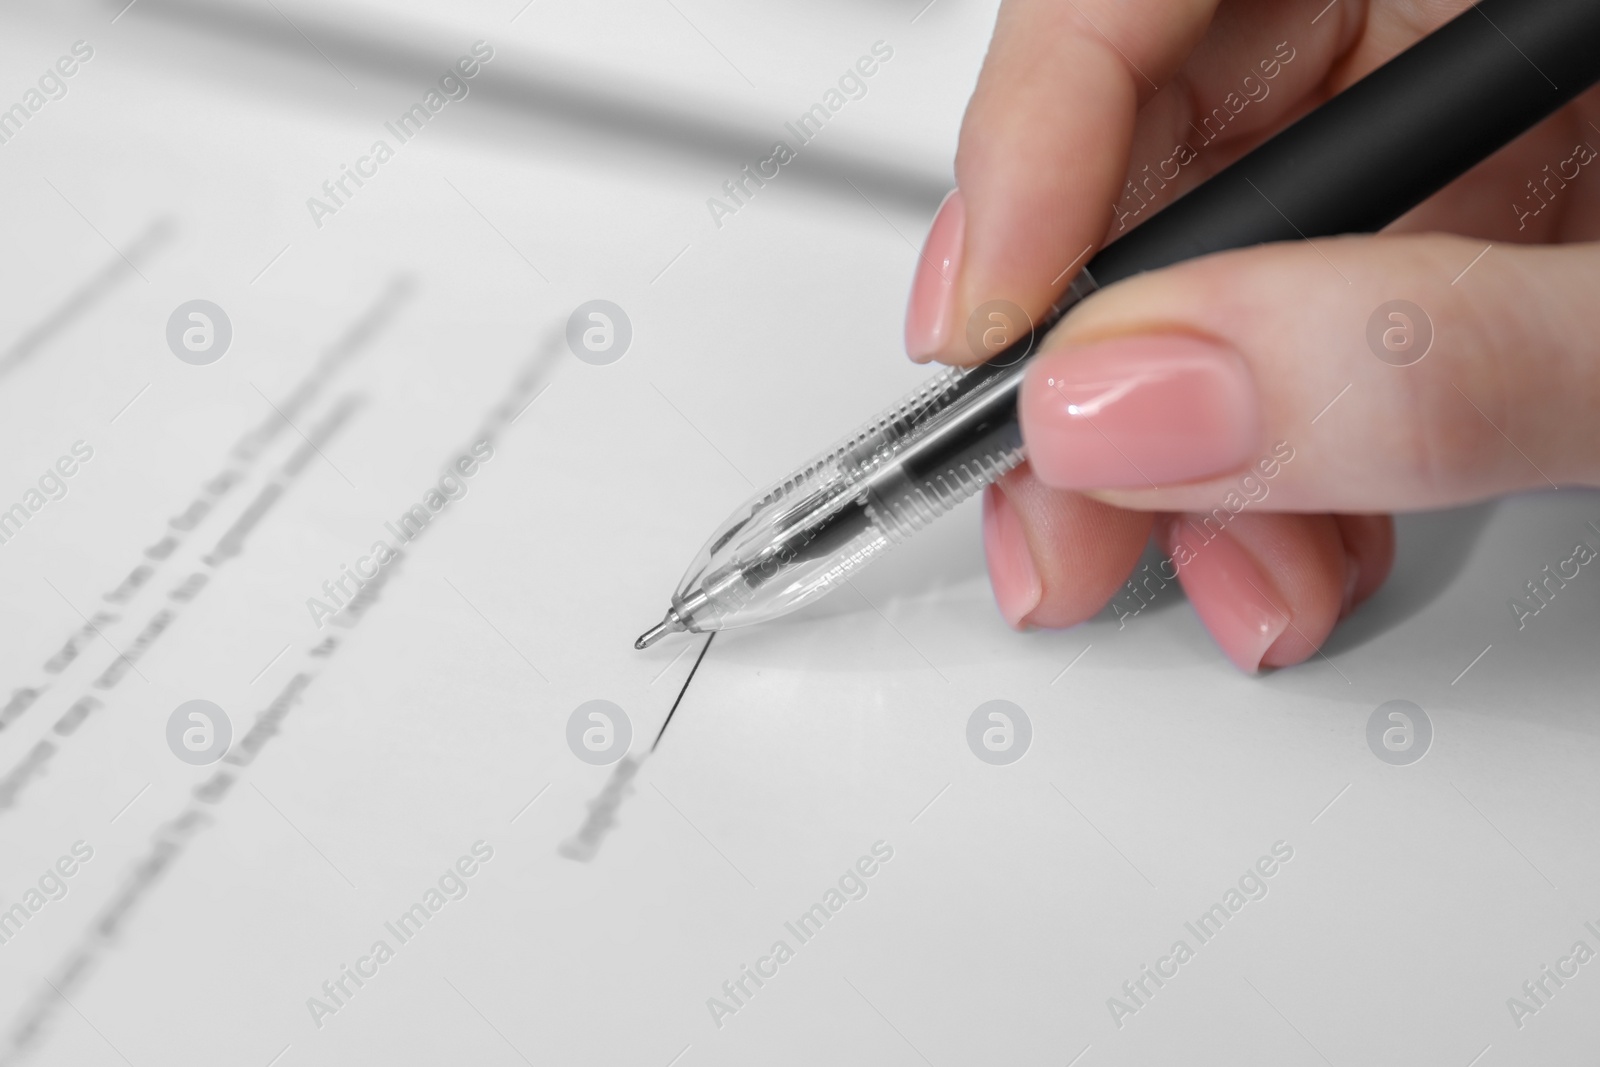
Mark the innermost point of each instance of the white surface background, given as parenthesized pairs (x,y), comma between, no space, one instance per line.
(1017,901)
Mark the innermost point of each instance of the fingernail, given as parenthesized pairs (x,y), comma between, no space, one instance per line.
(1136,412)
(1017,588)
(1352,578)
(1229,591)
(929,310)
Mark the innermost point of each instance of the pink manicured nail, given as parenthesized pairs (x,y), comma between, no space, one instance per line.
(1352,578)
(1138,411)
(1229,591)
(1017,588)
(928,312)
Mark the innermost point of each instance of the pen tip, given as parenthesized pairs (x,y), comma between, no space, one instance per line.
(658,631)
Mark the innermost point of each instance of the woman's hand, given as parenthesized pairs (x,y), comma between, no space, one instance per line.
(1261,411)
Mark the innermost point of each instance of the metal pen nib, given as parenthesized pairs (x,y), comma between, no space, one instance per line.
(679,617)
(668,625)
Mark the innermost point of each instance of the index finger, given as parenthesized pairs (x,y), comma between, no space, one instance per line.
(1044,146)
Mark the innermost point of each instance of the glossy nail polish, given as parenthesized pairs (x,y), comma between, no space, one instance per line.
(929,311)
(1352,578)
(1139,412)
(1017,587)
(1232,595)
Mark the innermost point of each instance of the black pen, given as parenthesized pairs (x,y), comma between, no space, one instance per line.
(1354,165)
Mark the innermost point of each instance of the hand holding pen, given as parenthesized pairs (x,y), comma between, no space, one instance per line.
(1189,378)
(1227,343)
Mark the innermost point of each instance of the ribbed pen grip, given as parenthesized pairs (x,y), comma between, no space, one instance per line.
(918,507)
(857,456)
(903,468)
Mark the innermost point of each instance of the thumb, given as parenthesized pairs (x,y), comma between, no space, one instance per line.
(1359,374)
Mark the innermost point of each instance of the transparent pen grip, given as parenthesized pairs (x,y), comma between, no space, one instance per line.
(872,445)
(834,514)
(899,471)
(973,461)
(939,493)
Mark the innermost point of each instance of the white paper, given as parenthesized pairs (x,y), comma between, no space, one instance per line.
(374,752)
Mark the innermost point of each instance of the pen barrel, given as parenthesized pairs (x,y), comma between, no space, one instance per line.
(951,457)
(1386,143)
(804,535)
(1354,165)
(912,463)
(969,441)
